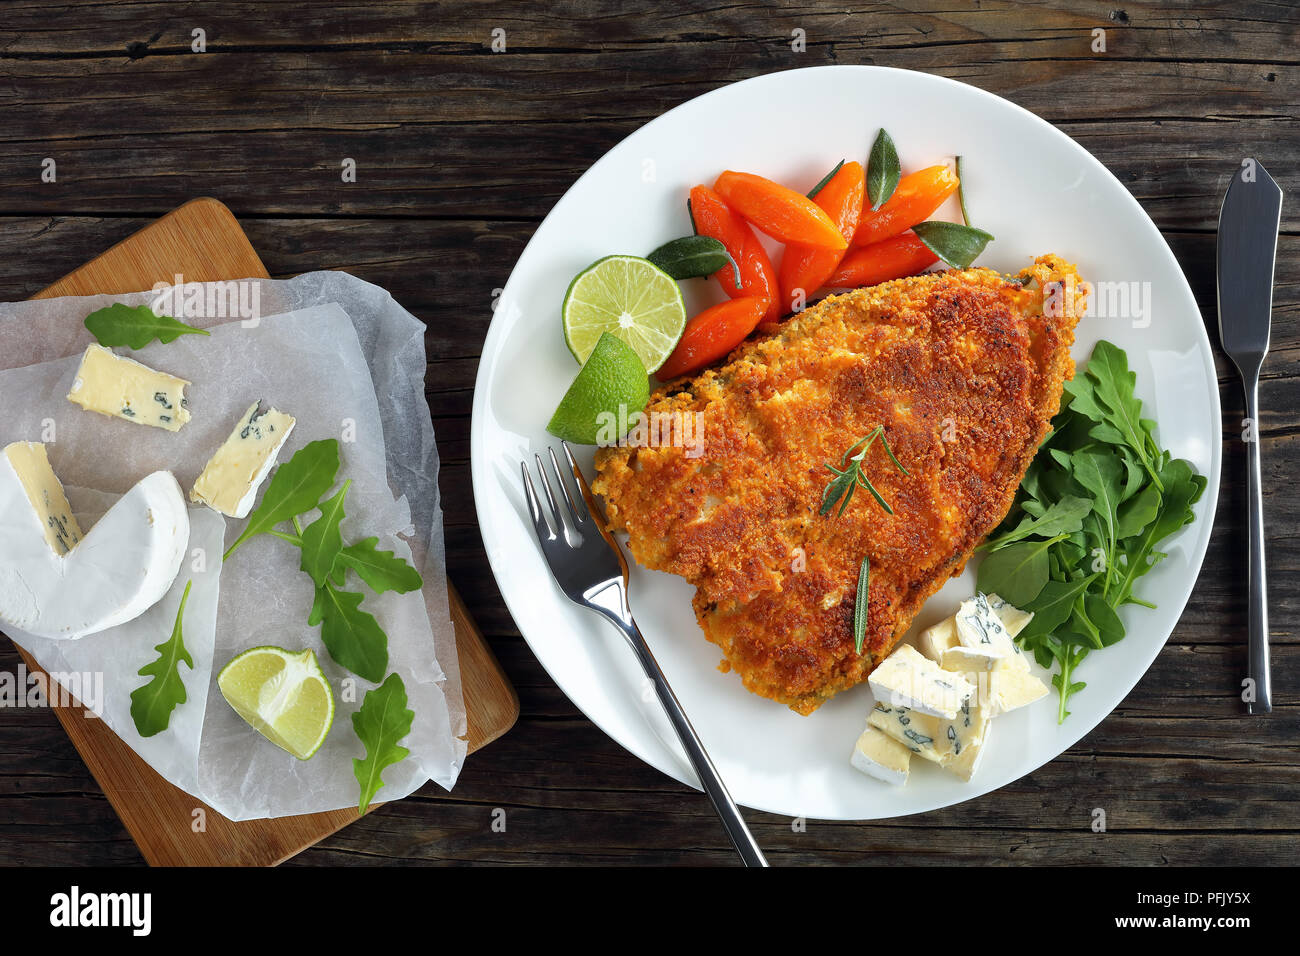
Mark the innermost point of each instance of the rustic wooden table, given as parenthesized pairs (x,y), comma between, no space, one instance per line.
(460,151)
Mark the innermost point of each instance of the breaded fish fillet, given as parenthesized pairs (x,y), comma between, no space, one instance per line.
(964,371)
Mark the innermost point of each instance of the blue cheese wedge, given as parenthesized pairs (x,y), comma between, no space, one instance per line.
(57,582)
(937,739)
(908,679)
(878,755)
(123,388)
(981,631)
(230,481)
(31,468)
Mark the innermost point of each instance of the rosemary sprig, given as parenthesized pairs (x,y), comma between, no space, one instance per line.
(860,606)
(849,477)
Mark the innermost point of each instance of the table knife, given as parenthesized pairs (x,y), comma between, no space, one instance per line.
(1247,250)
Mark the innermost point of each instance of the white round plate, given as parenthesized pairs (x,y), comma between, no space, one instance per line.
(1031,186)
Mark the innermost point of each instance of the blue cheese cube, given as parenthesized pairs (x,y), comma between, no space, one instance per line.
(937,639)
(908,679)
(1000,684)
(981,631)
(937,739)
(1012,618)
(878,755)
(1013,689)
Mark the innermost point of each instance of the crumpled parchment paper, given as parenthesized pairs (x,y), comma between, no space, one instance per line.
(347,362)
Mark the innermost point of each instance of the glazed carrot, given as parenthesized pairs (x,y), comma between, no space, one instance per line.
(805,269)
(893,258)
(713,217)
(916,196)
(780,212)
(712,334)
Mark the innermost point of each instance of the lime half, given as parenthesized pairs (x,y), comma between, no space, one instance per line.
(283,695)
(629,297)
(609,390)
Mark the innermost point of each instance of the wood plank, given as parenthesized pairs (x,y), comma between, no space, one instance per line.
(150,28)
(202,241)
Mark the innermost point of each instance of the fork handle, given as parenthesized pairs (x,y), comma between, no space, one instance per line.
(726,808)
(1258,608)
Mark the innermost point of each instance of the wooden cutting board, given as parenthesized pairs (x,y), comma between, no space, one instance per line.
(203,242)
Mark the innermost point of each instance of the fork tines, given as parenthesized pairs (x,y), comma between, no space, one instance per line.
(577,508)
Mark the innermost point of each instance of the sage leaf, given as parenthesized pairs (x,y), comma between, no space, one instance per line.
(883,170)
(692,257)
(955,244)
(152,704)
(381,722)
(135,326)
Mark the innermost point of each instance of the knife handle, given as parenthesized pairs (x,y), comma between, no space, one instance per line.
(1258,609)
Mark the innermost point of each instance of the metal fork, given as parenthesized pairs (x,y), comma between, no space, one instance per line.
(590,568)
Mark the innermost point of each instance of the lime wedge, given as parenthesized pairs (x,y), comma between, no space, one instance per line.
(609,390)
(629,297)
(283,695)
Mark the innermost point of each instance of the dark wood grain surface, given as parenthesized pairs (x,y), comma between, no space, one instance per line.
(461,152)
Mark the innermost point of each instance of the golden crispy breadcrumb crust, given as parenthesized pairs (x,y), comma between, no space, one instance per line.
(962,369)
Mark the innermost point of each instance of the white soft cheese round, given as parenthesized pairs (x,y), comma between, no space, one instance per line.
(115,573)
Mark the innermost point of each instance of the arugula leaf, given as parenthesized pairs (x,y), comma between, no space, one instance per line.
(1052,607)
(322,541)
(1069,656)
(1114,388)
(1103,451)
(1016,573)
(152,704)
(1181,492)
(860,605)
(135,326)
(352,636)
(1063,516)
(1109,627)
(380,723)
(883,170)
(1100,474)
(955,244)
(296,488)
(1138,512)
(381,570)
